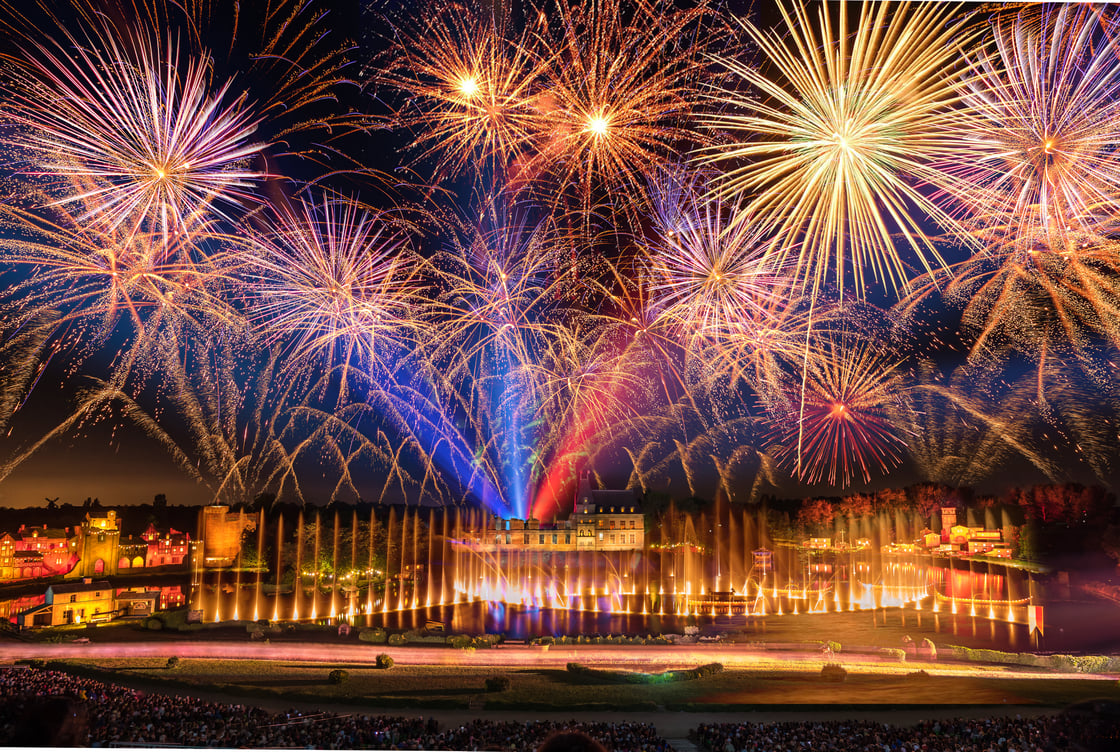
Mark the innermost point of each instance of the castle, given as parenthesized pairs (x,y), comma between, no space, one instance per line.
(602,520)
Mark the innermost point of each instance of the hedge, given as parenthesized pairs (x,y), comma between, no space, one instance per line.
(338,676)
(833,672)
(376,636)
(897,654)
(1081,664)
(637,677)
(384,660)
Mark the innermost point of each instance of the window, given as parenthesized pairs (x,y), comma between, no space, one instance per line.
(612,537)
(73,599)
(568,538)
(509,539)
(526,539)
(632,538)
(600,536)
(542,539)
(612,524)
(555,539)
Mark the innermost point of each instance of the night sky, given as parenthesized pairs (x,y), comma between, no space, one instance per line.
(411,254)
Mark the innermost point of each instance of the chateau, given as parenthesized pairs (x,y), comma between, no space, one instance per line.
(601,520)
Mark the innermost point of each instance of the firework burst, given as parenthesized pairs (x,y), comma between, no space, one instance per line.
(332,277)
(837,424)
(829,153)
(1035,159)
(472,87)
(132,131)
(620,93)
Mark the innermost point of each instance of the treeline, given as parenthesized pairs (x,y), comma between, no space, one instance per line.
(1068,503)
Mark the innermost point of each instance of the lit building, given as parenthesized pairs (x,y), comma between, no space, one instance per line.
(132,551)
(72,603)
(97,546)
(601,521)
(168,549)
(220,534)
(35,552)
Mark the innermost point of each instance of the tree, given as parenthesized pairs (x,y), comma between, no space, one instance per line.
(816,514)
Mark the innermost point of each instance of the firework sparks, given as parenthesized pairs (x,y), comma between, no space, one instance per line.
(1038,129)
(331,277)
(843,430)
(132,131)
(828,153)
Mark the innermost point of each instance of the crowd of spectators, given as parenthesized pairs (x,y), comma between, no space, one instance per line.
(36,705)
(520,736)
(1086,728)
(43,707)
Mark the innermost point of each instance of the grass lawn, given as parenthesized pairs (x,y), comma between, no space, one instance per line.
(547,688)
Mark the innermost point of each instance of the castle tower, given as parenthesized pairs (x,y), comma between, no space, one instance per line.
(948,522)
(97,546)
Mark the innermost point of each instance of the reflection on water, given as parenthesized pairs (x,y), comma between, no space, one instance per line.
(518,622)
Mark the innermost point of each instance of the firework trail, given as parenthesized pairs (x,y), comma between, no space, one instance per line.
(961,426)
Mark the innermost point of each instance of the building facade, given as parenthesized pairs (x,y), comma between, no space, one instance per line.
(73,603)
(601,521)
(97,545)
(36,552)
(220,534)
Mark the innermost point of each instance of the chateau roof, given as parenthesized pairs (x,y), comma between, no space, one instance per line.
(620,500)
